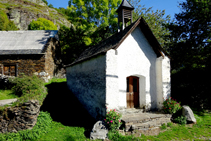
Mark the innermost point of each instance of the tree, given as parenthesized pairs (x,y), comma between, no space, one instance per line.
(190,50)
(42,24)
(99,20)
(191,34)
(73,41)
(50,5)
(156,20)
(5,24)
(91,15)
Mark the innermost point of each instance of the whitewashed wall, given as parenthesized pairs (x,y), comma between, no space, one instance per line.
(135,57)
(163,80)
(87,81)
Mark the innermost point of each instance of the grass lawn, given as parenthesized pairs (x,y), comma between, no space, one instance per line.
(199,131)
(68,123)
(60,132)
(7,94)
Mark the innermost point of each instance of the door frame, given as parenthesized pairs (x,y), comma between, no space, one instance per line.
(132,92)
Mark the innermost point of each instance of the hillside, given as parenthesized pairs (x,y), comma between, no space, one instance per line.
(22,12)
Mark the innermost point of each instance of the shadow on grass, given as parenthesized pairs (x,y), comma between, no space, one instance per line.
(64,107)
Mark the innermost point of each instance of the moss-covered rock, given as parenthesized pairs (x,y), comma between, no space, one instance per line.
(22,12)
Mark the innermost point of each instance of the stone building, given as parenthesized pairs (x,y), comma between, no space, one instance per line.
(127,70)
(29,52)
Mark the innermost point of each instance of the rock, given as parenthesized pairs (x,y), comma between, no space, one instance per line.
(99,131)
(188,113)
(18,118)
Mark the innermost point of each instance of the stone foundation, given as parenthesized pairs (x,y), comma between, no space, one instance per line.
(13,119)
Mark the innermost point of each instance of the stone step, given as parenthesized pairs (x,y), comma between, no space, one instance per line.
(142,121)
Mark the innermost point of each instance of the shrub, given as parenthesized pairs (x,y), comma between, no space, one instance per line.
(113,120)
(5,23)
(163,126)
(169,124)
(171,106)
(42,24)
(24,85)
(181,120)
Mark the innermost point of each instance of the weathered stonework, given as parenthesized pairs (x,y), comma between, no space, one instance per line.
(20,117)
(43,65)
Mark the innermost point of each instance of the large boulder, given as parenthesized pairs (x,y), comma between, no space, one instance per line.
(99,131)
(188,113)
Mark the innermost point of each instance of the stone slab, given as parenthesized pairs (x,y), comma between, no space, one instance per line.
(7,101)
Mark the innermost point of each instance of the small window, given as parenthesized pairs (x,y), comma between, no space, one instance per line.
(9,70)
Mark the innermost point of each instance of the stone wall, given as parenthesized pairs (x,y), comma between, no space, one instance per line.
(43,65)
(27,64)
(52,55)
(13,119)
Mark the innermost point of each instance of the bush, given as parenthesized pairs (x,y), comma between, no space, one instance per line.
(27,85)
(163,126)
(42,24)
(171,106)
(181,120)
(113,120)
(169,124)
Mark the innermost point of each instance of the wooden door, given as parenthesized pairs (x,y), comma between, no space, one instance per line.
(132,92)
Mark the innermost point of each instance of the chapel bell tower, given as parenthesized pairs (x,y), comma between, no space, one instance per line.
(124,14)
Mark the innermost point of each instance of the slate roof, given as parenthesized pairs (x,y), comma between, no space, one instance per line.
(25,42)
(114,41)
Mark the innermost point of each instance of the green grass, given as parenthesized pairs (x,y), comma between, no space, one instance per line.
(7,94)
(56,80)
(48,130)
(60,132)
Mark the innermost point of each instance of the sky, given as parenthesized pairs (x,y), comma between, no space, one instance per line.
(170,6)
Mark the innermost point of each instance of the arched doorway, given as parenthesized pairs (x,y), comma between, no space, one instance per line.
(132,92)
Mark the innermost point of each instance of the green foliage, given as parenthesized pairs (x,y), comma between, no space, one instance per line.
(42,127)
(5,24)
(50,5)
(116,136)
(169,124)
(163,126)
(181,120)
(27,85)
(155,19)
(28,88)
(94,22)
(190,35)
(42,24)
(190,50)
(171,106)
(113,120)
(73,41)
